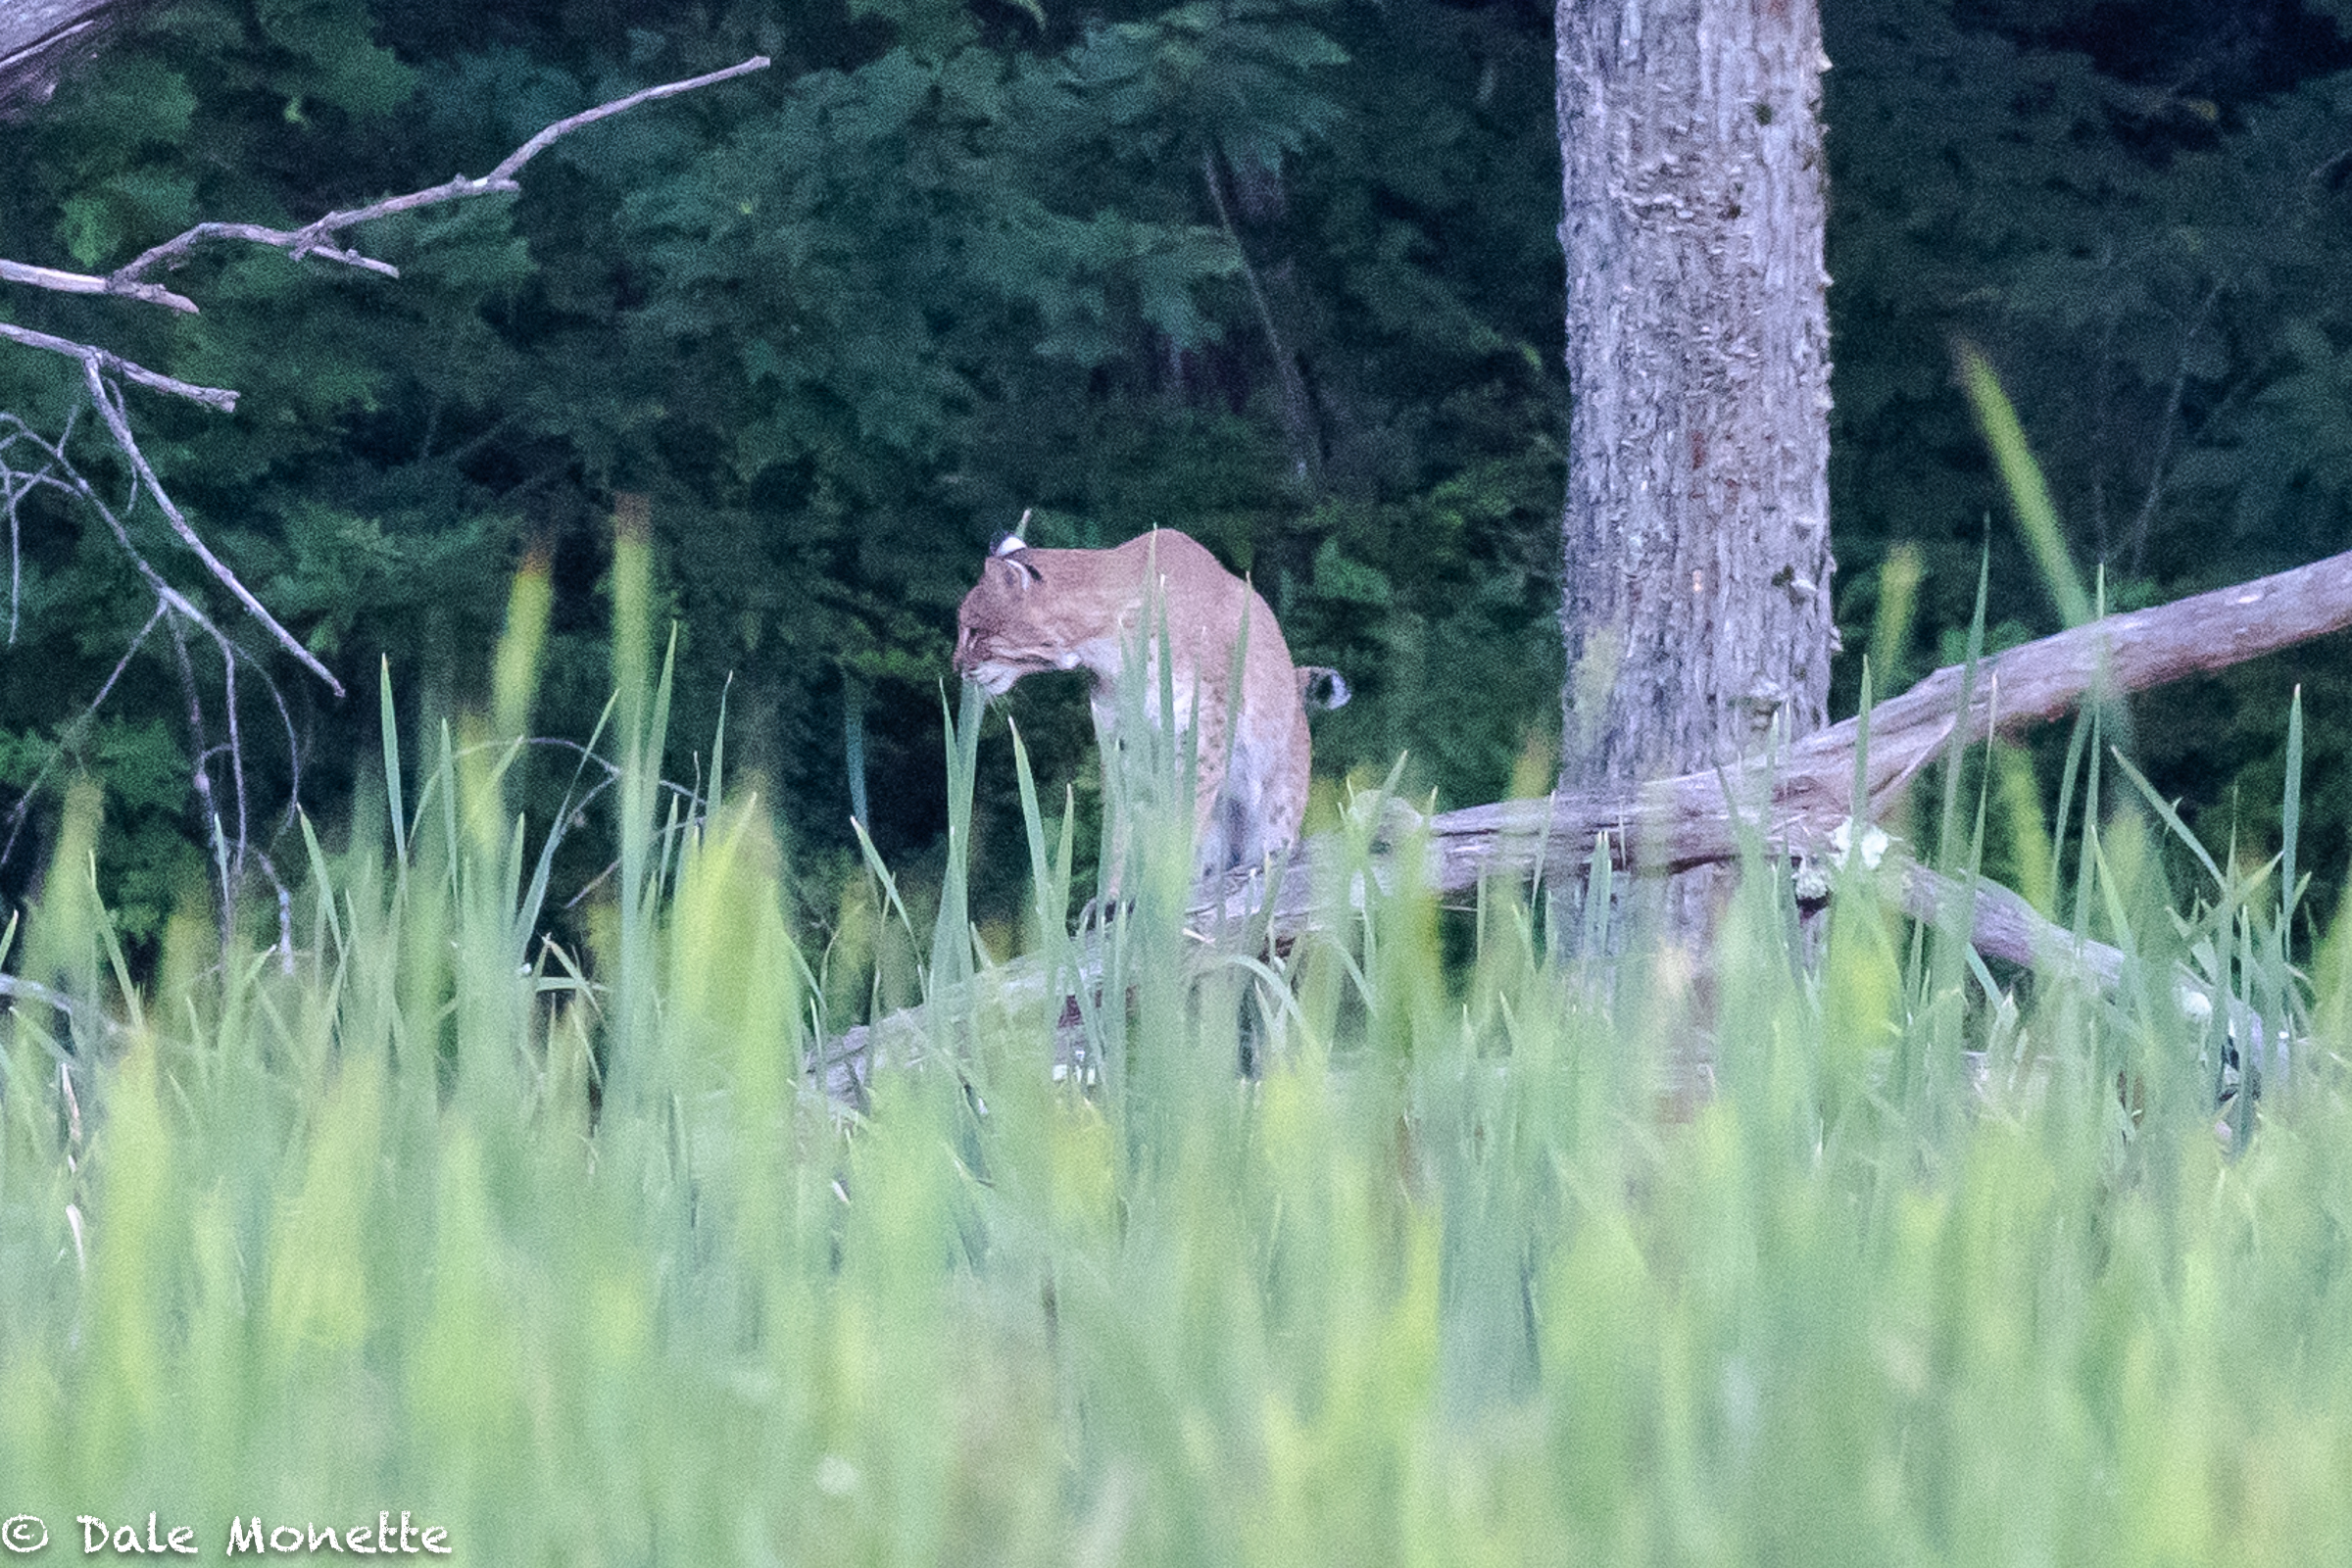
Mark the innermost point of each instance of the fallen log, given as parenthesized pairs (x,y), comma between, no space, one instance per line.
(1800,797)
(1796,800)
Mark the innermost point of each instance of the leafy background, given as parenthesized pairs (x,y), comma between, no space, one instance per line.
(1282,274)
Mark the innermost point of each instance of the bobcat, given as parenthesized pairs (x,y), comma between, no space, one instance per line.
(1087,609)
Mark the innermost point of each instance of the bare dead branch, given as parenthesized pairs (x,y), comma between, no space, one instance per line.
(22,812)
(316,237)
(512,162)
(112,363)
(308,240)
(69,479)
(200,772)
(117,425)
(236,771)
(56,282)
(285,717)
(177,612)
(14,487)
(2001,924)
(103,369)
(1802,796)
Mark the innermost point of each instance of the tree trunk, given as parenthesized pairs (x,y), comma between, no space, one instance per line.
(41,40)
(1696,599)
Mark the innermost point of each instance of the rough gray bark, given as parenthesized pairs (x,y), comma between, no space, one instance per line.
(42,39)
(1696,606)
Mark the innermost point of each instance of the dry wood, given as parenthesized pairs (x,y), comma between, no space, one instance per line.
(109,401)
(318,237)
(57,282)
(41,40)
(1696,525)
(106,363)
(1794,801)
(1798,798)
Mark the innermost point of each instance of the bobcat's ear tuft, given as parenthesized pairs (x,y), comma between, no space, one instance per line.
(1011,539)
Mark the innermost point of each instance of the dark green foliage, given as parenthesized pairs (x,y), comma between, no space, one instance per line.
(840,323)
(2140,213)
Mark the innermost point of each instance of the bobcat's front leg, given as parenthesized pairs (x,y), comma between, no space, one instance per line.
(1220,829)
(1220,826)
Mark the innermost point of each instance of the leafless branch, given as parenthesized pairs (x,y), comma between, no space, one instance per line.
(285,717)
(200,772)
(58,282)
(22,809)
(103,371)
(117,425)
(61,476)
(236,770)
(298,243)
(14,488)
(177,612)
(513,164)
(112,363)
(1802,796)
(316,237)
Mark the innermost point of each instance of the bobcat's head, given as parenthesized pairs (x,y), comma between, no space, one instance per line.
(1008,626)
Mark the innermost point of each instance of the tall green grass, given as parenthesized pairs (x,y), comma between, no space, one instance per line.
(563,1254)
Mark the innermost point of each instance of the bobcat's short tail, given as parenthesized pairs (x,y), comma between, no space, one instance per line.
(1321,687)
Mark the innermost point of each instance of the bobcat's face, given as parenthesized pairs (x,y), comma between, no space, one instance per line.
(1013,624)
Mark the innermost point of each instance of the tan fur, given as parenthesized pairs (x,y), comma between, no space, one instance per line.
(1084,609)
